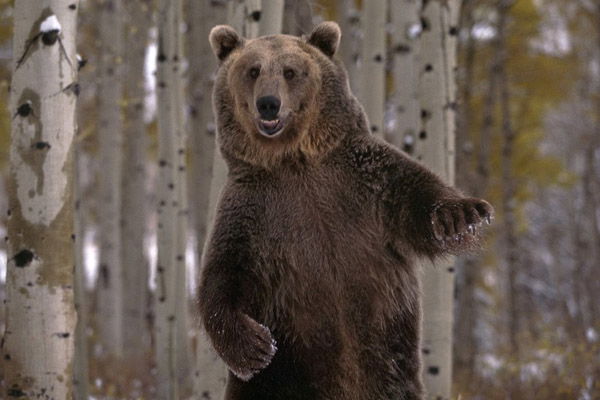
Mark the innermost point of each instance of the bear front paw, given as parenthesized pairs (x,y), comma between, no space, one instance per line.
(252,348)
(457,221)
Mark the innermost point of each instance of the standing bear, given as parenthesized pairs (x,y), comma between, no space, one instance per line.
(309,288)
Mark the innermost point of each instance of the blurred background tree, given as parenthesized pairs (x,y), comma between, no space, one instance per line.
(526,310)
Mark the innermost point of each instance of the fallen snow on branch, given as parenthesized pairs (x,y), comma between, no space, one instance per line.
(50,24)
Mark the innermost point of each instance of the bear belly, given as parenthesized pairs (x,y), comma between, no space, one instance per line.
(342,320)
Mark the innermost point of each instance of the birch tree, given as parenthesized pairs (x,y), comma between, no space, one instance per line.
(406,25)
(297,17)
(435,148)
(110,138)
(37,349)
(474,181)
(372,91)
(171,305)
(209,371)
(136,338)
(349,17)
(271,17)
(511,248)
(81,361)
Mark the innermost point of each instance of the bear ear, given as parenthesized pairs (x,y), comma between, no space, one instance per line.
(326,37)
(223,40)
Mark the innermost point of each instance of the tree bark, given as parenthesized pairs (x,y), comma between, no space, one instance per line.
(297,17)
(110,137)
(372,91)
(81,361)
(38,344)
(508,200)
(474,182)
(209,371)
(405,48)
(350,45)
(171,293)
(136,337)
(435,148)
(271,17)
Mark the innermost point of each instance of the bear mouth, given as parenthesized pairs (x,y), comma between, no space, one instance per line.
(270,128)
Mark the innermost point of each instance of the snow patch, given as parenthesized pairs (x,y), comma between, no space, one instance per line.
(50,24)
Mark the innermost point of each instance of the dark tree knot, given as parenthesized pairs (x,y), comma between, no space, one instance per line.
(23,258)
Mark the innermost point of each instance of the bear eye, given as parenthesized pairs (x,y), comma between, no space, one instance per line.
(254,72)
(289,74)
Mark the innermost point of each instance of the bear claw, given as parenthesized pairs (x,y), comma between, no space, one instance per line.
(252,351)
(456,220)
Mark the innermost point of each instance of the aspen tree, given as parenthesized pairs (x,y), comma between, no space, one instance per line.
(210,373)
(171,295)
(434,146)
(110,138)
(406,25)
(372,88)
(38,343)
(349,17)
(81,361)
(136,338)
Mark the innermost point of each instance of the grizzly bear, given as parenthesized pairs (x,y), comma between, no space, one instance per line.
(309,287)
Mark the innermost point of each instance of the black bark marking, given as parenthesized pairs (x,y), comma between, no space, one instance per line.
(41,145)
(74,88)
(453,31)
(428,67)
(72,6)
(24,110)
(425,25)
(255,15)
(49,38)
(402,48)
(104,275)
(82,62)
(451,269)
(63,335)
(378,58)
(23,258)
(423,135)
(15,391)
(433,370)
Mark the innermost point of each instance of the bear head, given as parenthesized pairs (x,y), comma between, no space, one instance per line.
(281,97)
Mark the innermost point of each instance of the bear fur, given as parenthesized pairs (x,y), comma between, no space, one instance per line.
(309,287)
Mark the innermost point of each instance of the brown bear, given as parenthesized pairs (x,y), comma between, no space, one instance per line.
(309,287)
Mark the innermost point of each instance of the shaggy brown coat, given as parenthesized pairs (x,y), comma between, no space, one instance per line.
(309,288)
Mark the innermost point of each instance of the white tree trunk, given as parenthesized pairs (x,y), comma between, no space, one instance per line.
(350,45)
(110,137)
(372,91)
(297,17)
(406,24)
(210,372)
(80,365)
(38,343)
(136,336)
(435,147)
(271,17)
(171,293)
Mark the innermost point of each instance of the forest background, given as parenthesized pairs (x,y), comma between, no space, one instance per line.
(527,114)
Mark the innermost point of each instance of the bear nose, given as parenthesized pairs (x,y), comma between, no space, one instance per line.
(268,107)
